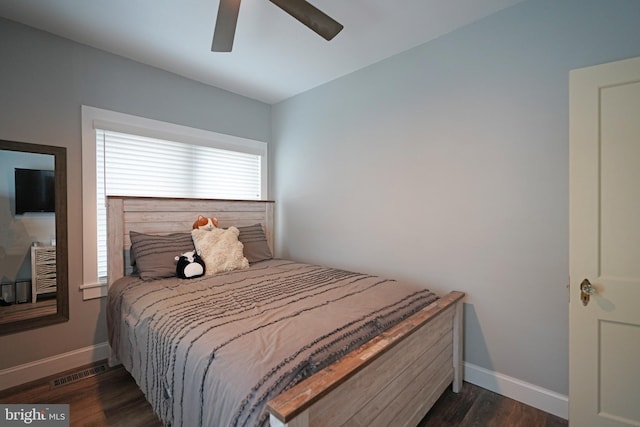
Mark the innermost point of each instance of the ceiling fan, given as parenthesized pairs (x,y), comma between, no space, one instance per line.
(302,10)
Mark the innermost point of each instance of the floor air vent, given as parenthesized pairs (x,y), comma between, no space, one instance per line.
(77,376)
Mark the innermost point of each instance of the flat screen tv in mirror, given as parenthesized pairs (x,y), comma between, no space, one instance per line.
(34,191)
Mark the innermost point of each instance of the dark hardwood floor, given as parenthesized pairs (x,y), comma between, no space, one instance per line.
(112,398)
(28,310)
(477,407)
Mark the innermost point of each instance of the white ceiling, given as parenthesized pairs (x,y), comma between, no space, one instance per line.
(274,56)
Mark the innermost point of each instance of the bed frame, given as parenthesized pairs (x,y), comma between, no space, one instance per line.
(393,379)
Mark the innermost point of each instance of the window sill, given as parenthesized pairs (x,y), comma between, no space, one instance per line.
(94,290)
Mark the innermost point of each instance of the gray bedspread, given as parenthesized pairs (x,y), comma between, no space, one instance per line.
(212,351)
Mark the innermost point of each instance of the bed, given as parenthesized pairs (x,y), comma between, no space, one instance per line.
(280,342)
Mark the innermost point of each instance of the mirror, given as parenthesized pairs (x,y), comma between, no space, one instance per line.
(33,236)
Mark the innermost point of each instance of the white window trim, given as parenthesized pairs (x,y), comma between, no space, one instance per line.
(96,118)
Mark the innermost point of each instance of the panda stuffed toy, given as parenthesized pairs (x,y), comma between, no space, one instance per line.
(190,265)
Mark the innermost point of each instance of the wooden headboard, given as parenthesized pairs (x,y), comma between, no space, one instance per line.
(153,215)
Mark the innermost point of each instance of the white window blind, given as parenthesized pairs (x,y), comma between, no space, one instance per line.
(131,165)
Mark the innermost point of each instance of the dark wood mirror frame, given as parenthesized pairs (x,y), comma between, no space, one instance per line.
(62,261)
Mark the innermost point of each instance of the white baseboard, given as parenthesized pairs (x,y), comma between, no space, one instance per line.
(513,388)
(32,371)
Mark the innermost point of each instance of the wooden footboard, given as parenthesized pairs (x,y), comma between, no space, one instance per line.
(393,379)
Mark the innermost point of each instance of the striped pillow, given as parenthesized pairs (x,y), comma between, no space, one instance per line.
(255,243)
(154,255)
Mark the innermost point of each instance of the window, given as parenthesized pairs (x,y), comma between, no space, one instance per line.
(131,156)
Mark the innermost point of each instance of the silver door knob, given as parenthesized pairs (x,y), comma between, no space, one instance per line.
(586,290)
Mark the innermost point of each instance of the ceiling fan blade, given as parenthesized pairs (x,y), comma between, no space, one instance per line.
(225,26)
(310,16)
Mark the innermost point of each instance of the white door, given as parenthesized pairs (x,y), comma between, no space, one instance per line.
(604,343)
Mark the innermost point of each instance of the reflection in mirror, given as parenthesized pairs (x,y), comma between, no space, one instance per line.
(33,236)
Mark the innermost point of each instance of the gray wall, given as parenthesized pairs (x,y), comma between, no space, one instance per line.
(447,166)
(43,82)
